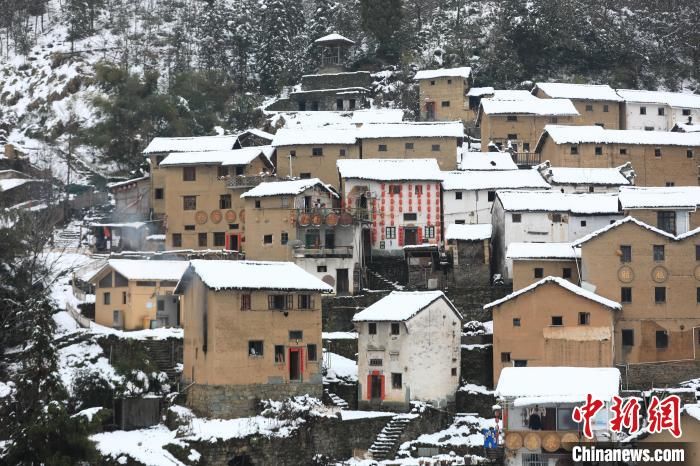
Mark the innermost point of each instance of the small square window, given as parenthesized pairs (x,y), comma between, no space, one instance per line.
(159,193)
(279,354)
(539,272)
(177,240)
(458,195)
(189,173)
(418,189)
(454,372)
(625,253)
(642,110)
(267,239)
(390,232)
(566,272)
(584,318)
(432,83)
(598,150)
(245,302)
(224,201)
(449,81)
(372,328)
(311,353)
(657,152)
(395,328)
(257,203)
(526,147)
(394,189)
(626,294)
(623,151)
(376,362)
(659,252)
(342,152)
(583,223)
(410,217)
(591,189)
(686,112)
(409,146)
(435,148)
(491,196)
(305,301)
(556,218)
(317,151)
(606,108)
(557,321)
(627,337)
(396,382)
(660,294)
(516,218)
(305,175)
(284,237)
(202,240)
(189,202)
(445,103)
(296,335)
(321,268)
(219,239)
(512,136)
(661,339)
(520,363)
(505,357)
(516,321)
(661,111)
(190,228)
(689,153)
(574,150)
(255,348)
(382,148)
(589,107)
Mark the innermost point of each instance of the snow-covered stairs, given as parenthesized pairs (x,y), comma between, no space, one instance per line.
(384,282)
(336,400)
(68,237)
(387,442)
(160,353)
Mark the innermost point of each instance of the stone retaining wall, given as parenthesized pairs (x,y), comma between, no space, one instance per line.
(658,375)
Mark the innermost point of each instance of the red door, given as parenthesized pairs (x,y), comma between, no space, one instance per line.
(296,364)
(232,243)
(375,386)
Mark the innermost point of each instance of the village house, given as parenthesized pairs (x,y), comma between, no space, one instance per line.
(533,261)
(671,209)
(202,195)
(132,199)
(587,180)
(17,188)
(546,217)
(686,128)
(470,248)
(137,294)
(252,331)
(516,125)
(658,110)
(443,94)
(658,158)
(537,405)
(485,161)
(118,236)
(475,95)
(598,104)
(408,350)
(552,322)
(400,196)
(468,195)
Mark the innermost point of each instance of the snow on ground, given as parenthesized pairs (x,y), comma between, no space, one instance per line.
(88,413)
(85,356)
(143,445)
(347,415)
(212,430)
(338,367)
(339,335)
(465,431)
(474,388)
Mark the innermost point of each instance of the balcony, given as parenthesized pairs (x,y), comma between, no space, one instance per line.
(338,251)
(244,181)
(526,159)
(317,216)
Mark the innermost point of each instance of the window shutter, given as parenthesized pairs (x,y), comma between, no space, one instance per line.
(290,302)
(270,302)
(311,302)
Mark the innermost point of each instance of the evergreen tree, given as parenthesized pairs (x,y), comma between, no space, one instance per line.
(383,20)
(274,46)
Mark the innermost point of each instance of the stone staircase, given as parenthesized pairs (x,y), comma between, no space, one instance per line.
(68,237)
(386,444)
(383,282)
(336,400)
(161,353)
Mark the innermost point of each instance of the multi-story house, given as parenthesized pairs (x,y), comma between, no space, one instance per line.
(475,95)
(132,198)
(587,180)
(658,158)
(443,94)
(402,197)
(137,294)
(531,262)
(252,331)
(657,110)
(468,195)
(546,217)
(408,350)
(598,104)
(201,192)
(671,209)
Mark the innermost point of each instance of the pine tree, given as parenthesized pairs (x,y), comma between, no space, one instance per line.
(383,20)
(274,46)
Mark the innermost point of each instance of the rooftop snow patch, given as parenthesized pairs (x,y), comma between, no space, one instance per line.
(497,179)
(594,176)
(333,38)
(119,184)
(562,134)
(191,144)
(260,133)
(462,72)
(219,157)
(579,91)
(672,99)
(445,129)
(555,201)
(390,169)
(146,269)
(616,224)
(399,306)
(480,91)
(693,410)
(512,94)
(486,161)
(542,251)
(256,275)
(562,283)
(295,137)
(686,128)
(662,197)
(288,188)
(12,183)
(558,384)
(379,115)
(474,232)
(548,107)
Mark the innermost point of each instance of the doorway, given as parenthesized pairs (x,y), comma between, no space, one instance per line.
(342,283)
(296,367)
(410,235)
(430,111)
(233,242)
(376,382)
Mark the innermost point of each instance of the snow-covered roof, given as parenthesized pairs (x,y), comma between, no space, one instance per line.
(579,91)
(496,179)
(480,91)
(558,384)
(461,72)
(659,197)
(290,188)
(119,224)
(377,115)
(474,232)
(548,107)
(127,182)
(442,129)
(260,133)
(487,161)
(551,251)
(390,169)
(146,269)
(191,144)
(256,275)
(578,175)
(628,219)
(693,410)
(294,137)
(562,283)
(512,94)
(220,157)
(555,201)
(12,183)
(686,128)
(562,134)
(673,99)
(399,306)
(334,37)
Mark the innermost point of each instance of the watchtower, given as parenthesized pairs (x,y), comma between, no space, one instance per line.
(334,52)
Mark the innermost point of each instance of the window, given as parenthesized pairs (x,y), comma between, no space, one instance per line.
(556,218)
(512,118)
(625,253)
(626,294)
(279,354)
(666,220)
(293,153)
(305,301)
(107,298)
(697,295)
(410,217)
(375,362)
(317,151)
(160,193)
(512,136)
(390,232)
(660,294)
(353,104)
(598,150)
(642,110)
(623,151)
(657,152)
(539,272)
(661,111)
(689,153)
(279,302)
(697,252)
(394,189)
(557,320)
(589,107)
(670,183)
(396,382)
(311,354)
(566,272)
(606,108)
(267,239)
(395,328)
(454,372)
(449,81)
(177,240)
(284,237)
(435,148)
(627,337)
(574,150)
(245,302)
(372,328)
(661,339)
(591,189)
(648,128)
(224,201)
(429,231)
(148,283)
(339,104)
(255,348)
(189,173)
(284,202)
(342,152)
(409,146)
(686,112)
(160,304)
(516,218)
(659,252)
(219,239)
(221,171)
(321,268)
(460,222)
(418,189)
(505,357)
(189,202)
(257,203)
(516,321)
(584,318)
(202,240)
(189,227)
(296,335)
(432,83)
(583,223)
(458,195)
(445,103)
(382,148)
(520,363)
(106,282)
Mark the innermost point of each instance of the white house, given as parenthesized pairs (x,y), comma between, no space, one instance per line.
(547,217)
(408,350)
(401,198)
(658,111)
(587,180)
(468,195)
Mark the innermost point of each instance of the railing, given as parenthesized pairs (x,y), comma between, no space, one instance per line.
(338,251)
(526,159)
(79,318)
(317,216)
(330,60)
(241,181)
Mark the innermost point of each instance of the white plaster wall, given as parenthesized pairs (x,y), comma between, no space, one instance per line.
(593,223)
(310,264)
(634,120)
(585,188)
(474,207)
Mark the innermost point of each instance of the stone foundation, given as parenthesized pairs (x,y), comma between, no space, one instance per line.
(477,364)
(658,375)
(232,401)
